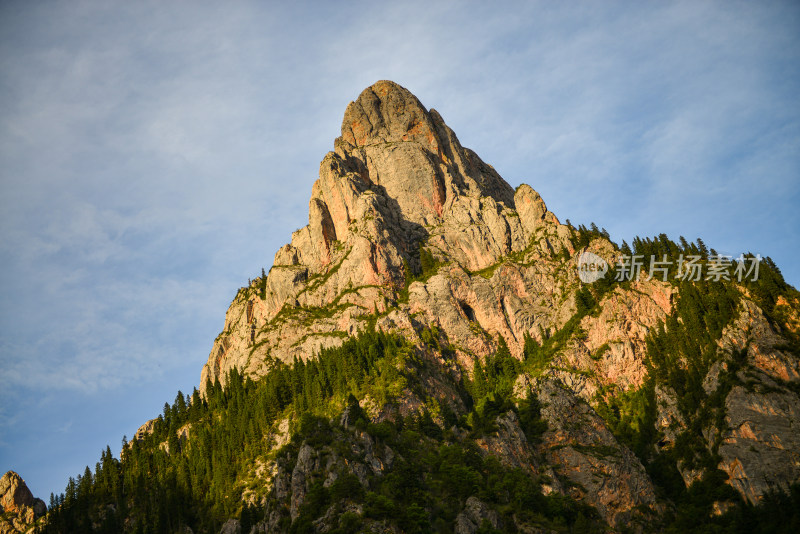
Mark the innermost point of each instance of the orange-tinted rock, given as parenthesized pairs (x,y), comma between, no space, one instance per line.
(20,507)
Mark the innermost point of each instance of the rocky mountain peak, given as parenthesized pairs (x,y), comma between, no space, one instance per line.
(393,142)
(385,112)
(397,189)
(20,508)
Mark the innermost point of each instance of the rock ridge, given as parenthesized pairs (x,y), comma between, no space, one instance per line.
(20,508)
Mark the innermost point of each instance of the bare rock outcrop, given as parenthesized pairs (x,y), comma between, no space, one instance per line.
(300,468)
(231,526)
(761,449)
(757,378)
(511,446)
(475,515)
(20,508)
(760,445)
(592,464)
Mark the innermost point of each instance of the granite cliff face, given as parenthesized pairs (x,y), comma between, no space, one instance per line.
(409,232)
(20,508)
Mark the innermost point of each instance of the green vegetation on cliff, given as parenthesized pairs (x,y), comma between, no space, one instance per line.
(164,481)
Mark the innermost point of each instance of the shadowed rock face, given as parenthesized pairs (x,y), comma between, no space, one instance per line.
(409,230)
(597,467)
(760,445)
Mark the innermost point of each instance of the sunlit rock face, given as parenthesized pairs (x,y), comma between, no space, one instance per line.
(398,179)
(20,508)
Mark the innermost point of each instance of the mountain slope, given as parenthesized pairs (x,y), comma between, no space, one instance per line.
(423,356)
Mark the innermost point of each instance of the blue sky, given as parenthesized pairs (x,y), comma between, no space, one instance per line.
(154,156)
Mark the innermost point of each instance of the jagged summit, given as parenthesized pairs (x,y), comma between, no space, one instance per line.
(386,112)
(413,154)
(19,509)
(397,185)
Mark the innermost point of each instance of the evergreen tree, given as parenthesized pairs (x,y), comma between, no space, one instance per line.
(263,292)
(701,247)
